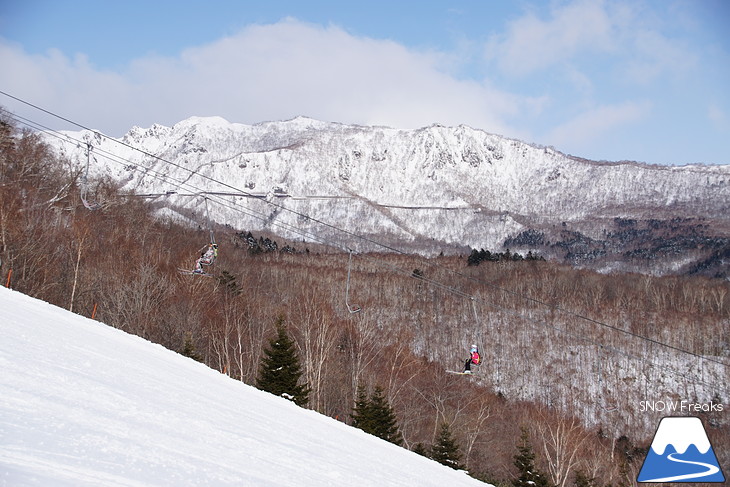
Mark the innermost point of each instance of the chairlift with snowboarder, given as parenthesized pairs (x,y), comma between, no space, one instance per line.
(474,359)
(208,253)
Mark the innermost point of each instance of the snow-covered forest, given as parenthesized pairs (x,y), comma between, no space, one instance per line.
(569,354)
(428,190)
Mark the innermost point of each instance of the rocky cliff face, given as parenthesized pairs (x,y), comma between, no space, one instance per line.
(429,190)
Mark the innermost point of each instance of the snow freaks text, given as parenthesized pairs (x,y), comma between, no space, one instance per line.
(682,407)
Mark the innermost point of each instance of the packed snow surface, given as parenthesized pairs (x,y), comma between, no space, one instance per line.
(84,404)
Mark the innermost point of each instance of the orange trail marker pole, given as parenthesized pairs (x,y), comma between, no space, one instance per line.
(7,283)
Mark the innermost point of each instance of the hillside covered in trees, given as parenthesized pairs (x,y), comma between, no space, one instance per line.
(569,355)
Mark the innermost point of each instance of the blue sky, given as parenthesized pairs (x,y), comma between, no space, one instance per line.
(606,80)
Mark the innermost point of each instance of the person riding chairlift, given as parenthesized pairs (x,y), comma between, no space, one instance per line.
(206,258)
(474,358)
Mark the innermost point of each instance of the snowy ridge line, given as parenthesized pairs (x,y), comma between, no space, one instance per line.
(325,241)
(527,391)
(455,291)
(447,208)
(367,239)
(197,191)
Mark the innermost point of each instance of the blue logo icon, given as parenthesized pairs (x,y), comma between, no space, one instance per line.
(680,452)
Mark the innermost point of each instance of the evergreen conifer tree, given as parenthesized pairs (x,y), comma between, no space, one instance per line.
(361,413)
(375,416)
(530,476)
(420,448)
(384,421)
(228,281)
(583,480)
(189,349)
(445,450)
(280,371)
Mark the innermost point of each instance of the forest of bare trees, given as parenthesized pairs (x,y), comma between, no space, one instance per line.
(568,354)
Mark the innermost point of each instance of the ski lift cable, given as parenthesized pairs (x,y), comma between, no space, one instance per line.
(431,282)
(451,289)
(541,324)
(463,294)
(194,190)
(352,234)
(366,239)
(208,178)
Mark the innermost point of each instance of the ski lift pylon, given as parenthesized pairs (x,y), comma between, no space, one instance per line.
(85,182)
(604,405)
(207,217)
(474,309)
(351,308)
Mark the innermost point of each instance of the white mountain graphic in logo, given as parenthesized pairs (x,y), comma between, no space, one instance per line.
(680,452)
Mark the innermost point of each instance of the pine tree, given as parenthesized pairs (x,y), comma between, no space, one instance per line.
(420,448)
(362,416)
(189,349)
(525,463)
(445,450)
(583,480)
(384,421)
(375,416)
(280,371)
(228,281)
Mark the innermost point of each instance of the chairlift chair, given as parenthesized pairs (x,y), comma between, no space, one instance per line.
(351,308)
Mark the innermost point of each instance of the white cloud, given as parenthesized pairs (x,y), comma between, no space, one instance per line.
(264,72)
(583,34)
(597,122)
(532,44)
(592,59)
(655,55)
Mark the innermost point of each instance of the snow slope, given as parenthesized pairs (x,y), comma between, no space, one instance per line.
(84,404)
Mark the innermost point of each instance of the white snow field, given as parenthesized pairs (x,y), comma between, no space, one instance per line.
(84,404)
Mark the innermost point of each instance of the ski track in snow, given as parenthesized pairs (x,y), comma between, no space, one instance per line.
(83,404)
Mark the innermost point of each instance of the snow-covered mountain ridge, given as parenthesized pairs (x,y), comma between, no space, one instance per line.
(430,189)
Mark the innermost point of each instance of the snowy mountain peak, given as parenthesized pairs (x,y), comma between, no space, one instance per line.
(403,184)
(212,122)
(137,135)
(680,432)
